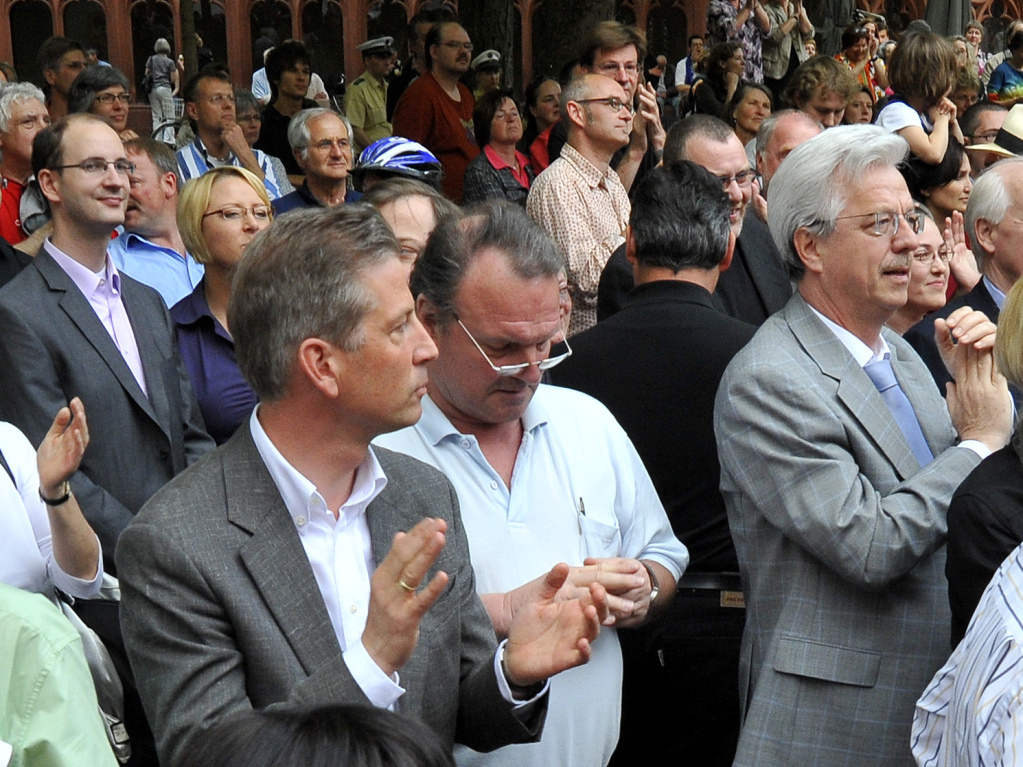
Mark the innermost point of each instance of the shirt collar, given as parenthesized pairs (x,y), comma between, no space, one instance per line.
(436,427)
(499,162)
(996,295)
(862,353)
(586,169)
(84,278)
(298,492)
(204,153)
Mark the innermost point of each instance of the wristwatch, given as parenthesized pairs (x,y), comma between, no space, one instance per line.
(65,493)
(655,589)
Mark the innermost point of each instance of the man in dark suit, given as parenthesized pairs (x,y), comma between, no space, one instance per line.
(278,571)
(656,365)
(756,284)
(993,225)
(112,345)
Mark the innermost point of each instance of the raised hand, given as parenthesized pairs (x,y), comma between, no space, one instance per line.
(396,602)
(62,448)
(548,635)
(962,262)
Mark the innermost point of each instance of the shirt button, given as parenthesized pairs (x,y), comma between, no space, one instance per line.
(300,521)
(466,444)
(354,609)
(493,485)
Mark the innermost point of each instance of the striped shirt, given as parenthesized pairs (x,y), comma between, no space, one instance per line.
(193,161)
(971,714)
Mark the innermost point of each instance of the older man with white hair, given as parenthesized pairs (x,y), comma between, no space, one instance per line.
(321,140)
(838,459)
(22,115)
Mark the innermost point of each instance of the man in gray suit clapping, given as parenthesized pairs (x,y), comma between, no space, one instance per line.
(838,461)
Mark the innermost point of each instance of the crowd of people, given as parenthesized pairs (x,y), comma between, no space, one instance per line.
(667,412)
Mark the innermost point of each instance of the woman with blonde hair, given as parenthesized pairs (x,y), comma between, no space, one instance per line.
(219,214)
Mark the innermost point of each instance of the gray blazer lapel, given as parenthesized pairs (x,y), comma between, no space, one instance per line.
(274,556)
(855,389)
(153,363)
(77,308)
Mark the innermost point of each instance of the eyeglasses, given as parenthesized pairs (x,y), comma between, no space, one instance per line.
(220,98)
(886,222)
(110,98)
(522,367)
(743,178)
(984,138)
(97,165)
(455,45)
(614,102)
(925,256)
(237,213)
(611,68)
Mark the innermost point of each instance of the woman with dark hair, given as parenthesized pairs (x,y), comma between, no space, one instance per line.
(747,109)
(855,54)
(500,171)
(724,70)
(102,91)
(332,736)
(542,101)
(943,188)
(164,75)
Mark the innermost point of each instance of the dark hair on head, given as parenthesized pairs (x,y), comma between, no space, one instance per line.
(54,49)
(47,147)
(610,36)
(820,75)
(923,177)
(190,93)
(282,58)
(741,91)
(970,119)
(923,66)
(349,735)
(531,99)
(853,34)
(429,14)
(397,188)
(717,62)
(679,218)
(457,241)
(483,114)
(565,74)
(433,38)
(1015,41)
(707,126)
(90,81)
(161,155)
(689,42)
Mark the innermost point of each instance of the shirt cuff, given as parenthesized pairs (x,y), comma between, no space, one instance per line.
(382,690)
(977,447)
(505,687)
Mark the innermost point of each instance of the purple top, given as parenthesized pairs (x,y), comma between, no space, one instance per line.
(225,398)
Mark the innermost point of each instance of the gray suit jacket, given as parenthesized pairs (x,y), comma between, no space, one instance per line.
(53,347)
(839,534)
(221,612)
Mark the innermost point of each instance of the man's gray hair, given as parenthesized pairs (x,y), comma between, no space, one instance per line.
(809,190)
(575,90)
(303,278)
(768,126)
(299,135)
(14,93)
(458,240)
(990,198)
(681,133)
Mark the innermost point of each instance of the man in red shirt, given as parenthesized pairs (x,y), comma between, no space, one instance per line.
(436,109)
(22,115)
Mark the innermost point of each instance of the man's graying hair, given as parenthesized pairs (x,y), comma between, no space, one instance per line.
(809,190)
(676,145)
(458,240)
(14,93)
(299,135)
(302,278)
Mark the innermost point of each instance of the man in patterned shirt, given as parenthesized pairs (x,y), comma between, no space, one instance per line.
(579,199)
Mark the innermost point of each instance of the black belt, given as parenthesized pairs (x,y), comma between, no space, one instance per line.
(710,581)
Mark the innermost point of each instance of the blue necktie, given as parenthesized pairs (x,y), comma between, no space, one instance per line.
(883,377)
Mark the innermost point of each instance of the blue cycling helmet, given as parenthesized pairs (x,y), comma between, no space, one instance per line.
(399,156)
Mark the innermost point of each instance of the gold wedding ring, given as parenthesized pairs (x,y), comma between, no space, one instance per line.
(401,582)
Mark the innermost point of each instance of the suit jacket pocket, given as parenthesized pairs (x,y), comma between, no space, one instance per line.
(829,662)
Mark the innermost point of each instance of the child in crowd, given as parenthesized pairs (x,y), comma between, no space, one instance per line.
(922,72)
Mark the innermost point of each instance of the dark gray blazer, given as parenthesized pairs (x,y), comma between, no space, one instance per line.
(221,612)
(53,347)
